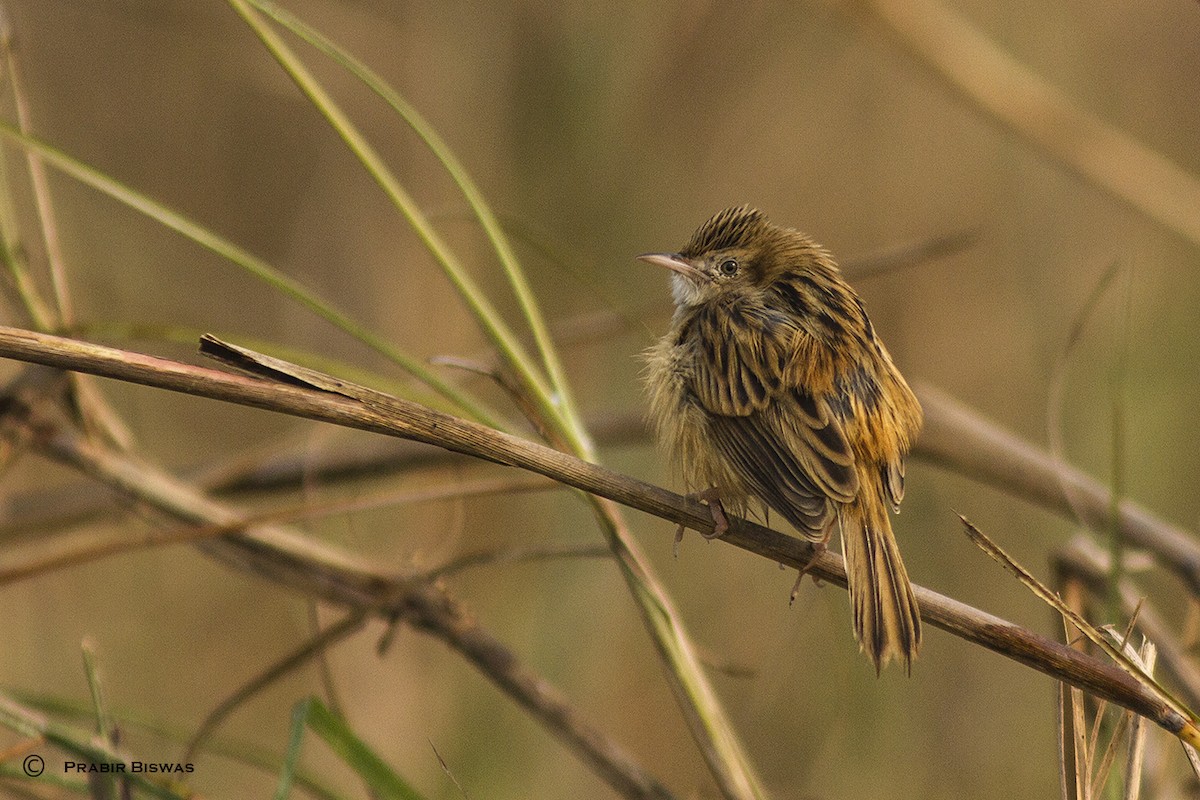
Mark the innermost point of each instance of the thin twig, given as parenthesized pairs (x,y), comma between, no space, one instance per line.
(1082,559)
(310,649)
(906,256)
(40,510)
(57,552)
(1056,398)
(516,555)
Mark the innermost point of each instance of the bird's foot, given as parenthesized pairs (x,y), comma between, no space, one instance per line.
(712,498)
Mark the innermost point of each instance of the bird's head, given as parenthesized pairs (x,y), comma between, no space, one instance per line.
(736,251)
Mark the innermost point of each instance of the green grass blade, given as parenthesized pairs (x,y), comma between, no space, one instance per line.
(487,219)
(711,727)
(291,755)
(80,743)
(248,262)
(485,313)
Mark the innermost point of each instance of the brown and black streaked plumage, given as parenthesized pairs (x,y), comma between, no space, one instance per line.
(772,384)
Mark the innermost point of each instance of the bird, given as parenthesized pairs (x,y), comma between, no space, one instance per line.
(773,385)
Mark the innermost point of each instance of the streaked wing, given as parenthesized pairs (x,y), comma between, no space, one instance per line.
(785,443)
(820,443)
(794,463)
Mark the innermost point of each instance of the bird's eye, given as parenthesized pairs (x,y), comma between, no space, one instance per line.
(728,267)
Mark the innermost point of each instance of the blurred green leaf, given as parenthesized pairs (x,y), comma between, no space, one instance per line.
(380,779)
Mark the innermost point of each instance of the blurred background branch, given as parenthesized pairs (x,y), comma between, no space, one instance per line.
(1018,98)
(293,559)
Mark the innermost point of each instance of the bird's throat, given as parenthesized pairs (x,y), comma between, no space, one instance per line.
(685,291)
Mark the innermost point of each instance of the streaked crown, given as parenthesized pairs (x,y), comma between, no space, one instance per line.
(738,227)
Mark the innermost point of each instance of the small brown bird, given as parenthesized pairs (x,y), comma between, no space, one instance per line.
(772,384)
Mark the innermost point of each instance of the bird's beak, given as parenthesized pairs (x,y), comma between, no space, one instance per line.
(675,263)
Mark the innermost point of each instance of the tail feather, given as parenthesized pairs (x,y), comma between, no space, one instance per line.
(887,622)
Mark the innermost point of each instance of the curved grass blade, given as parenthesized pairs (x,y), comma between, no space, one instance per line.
(488,220)
(248,262)
(379,778)
(489,319)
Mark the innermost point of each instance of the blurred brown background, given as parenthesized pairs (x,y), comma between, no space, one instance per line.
(610,131)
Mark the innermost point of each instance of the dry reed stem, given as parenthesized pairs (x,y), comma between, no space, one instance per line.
(410,420)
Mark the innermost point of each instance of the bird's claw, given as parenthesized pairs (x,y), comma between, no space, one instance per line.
(818,549)
(711,498)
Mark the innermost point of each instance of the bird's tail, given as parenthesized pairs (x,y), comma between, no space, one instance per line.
(887,622)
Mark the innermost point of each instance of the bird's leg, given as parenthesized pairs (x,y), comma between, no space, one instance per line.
(712,498)
(819,547)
